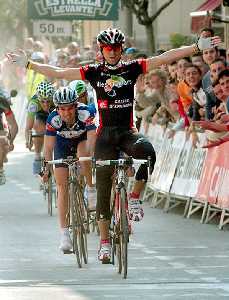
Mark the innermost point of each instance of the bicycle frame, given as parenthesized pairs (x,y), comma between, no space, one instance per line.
(121,222)
(76,215)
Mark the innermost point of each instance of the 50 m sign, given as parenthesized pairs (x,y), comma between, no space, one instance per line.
(52,28)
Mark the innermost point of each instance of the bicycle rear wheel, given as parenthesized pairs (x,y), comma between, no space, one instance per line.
(124,228)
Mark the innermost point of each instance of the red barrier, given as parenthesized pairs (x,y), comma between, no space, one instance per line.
(213,186)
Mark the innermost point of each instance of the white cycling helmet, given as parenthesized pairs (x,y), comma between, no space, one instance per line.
(65,96)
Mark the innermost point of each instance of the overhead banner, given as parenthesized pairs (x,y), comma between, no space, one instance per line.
(73,9)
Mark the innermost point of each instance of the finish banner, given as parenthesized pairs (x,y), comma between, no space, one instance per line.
(73,9)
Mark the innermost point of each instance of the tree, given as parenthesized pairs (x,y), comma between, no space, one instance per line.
(13,20)
(141,9)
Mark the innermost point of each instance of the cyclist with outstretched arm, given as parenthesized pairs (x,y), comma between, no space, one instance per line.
(113,81)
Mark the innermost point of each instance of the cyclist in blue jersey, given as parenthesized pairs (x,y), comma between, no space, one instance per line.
(113,81)
(70,131)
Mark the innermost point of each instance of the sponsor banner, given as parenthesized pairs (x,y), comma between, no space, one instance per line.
(222,170)
(181,177)
(73,9)
(194,167)
(155,133)
(167,161)
(209,182)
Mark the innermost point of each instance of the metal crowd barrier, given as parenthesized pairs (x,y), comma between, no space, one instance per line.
(195,177)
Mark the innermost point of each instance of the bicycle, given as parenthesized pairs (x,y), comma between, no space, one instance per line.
(77,216)
(49,190)
(120,226)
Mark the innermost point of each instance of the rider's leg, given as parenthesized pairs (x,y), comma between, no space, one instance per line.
(138,146)
(61,177)
(90,190)
(85,165)
(3,152)
(105,148)
(38,142)
(39,128)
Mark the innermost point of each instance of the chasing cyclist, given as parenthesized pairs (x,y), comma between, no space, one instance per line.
(84,91)
(39,107)
(113,81)
(70,130)
(8,131)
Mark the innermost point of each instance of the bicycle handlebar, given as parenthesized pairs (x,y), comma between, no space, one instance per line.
(68,161)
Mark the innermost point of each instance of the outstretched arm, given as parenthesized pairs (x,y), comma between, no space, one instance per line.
(175,54)
(49,71)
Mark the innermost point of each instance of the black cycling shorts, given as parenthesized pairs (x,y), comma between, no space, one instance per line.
(109,143)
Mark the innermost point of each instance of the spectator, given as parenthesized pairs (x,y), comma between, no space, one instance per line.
(216,67)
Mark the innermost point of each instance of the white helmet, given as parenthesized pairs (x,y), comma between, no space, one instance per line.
(65,96)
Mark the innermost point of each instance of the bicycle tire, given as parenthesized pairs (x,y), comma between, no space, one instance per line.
(124,231)
(74,223)
(50,195)
(82,223)
(117,237)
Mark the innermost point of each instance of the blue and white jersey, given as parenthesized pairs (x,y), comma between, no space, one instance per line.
(84,121)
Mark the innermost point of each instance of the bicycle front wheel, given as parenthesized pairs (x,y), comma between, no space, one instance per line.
(74,223)
(82,221)
(124,230)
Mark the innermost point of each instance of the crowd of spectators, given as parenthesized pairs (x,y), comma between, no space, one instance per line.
(190,94)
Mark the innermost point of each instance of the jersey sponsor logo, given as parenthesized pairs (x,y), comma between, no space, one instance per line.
(83,115)
(56,122)
(124,103)
(102,104)
(50,128)
(70,134)
(114,81)
(33,107)
(90,121)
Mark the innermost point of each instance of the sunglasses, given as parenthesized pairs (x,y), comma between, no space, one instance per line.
(109,48)
(44,101)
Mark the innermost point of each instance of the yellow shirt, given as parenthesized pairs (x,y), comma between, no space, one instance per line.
(32,80)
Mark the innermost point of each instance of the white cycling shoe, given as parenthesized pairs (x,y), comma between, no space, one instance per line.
(66,243)
(104,254)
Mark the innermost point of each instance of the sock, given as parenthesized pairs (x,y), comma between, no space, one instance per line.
(37,156)
(107,241)
(134,195)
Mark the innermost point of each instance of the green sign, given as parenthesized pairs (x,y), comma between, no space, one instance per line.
(73,9)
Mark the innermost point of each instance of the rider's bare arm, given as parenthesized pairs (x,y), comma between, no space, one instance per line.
(175,54)
(13,127)
(55,72)
(170,56)
(49,143)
